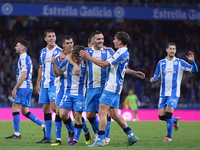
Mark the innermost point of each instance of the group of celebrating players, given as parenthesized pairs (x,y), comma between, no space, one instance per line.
(89,79)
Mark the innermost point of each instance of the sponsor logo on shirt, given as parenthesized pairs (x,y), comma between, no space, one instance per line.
(47,60)
(97,58)
(169,71)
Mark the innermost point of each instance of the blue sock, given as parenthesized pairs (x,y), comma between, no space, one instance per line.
(101,134)
(85,129)
(48,125)
(16,121)
(68,129)
(108,128)
(174,119)
(58,126)
(128,131)
(95,124)
(77,131)
(69,125)
(33,118)
(169,127)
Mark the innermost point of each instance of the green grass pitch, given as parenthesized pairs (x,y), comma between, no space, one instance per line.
(151,135)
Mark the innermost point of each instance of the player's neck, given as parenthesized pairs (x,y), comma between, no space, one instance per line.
(170,58)
(120,46)
(67,51)
(97,48)
(22,53)
(50,47)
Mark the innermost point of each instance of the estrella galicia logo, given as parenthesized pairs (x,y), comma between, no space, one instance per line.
(119,12)
(7,9)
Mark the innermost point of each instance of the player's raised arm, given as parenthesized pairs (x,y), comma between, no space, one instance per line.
(57,71)
(190,57)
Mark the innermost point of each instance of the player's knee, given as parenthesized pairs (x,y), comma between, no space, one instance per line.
(90,114)
(62,115)
(92,119)
(26,114)
(168,115)
(162,117)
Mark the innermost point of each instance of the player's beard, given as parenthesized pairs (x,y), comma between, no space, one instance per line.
(171,55)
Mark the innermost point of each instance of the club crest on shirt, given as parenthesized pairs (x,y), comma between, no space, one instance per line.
(176,63)
(83,65)
(55,52)
(103,51)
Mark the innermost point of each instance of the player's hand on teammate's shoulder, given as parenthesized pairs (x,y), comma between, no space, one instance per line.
(109,48)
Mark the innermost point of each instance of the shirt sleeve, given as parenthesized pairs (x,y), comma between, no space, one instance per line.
(58,61)
(157,72)
(23,64)
(117,57)
(40,59)
(186,66)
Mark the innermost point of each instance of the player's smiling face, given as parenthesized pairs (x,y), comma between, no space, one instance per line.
(98,41)
(171,51)
(50,39)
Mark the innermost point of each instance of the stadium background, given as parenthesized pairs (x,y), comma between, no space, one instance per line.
(148,40)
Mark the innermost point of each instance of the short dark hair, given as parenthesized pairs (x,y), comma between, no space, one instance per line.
(90,39)
(170,43)
(24,43)
(66,37)
(95,33)
(48,31)
(123,36)
(76,50)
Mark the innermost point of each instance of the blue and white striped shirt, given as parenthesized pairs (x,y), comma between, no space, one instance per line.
(75,84)
(48,77)
(97,75)
(115,78)
(25,64)
(171,73)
